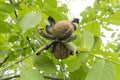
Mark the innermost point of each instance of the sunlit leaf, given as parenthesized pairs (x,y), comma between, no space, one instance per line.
(102,70)
(29,20)
(93,27)
(30,74)
(40,3)
(118,71)
(88,14)
(114,18)
(87,40)
(52,3)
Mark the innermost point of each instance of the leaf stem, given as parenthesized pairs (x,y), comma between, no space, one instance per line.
(34,35)
(104,59)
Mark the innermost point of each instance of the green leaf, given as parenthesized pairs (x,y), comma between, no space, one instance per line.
(102,70)
(47,7)
(12,56)
(78,74)
(13,38)
(40,3)
(114,18)
(54,12)
(29,20)
(88,15)
(75,64)
(4,27)
(86,40)
(30,74)
(9,7)
(44,63)
(77,41)
(93,27)
(52,3)
(97,43)
(118,71)
(3,16)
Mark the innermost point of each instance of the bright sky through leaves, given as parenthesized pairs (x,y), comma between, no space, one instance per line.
(75,9)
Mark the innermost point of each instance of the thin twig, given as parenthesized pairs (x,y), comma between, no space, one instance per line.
(15,12)
(16,15)
(30,44)
(8,78)
(5,59)
(40,42)
(53,78)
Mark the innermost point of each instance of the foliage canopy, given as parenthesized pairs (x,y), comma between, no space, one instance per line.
(19,39)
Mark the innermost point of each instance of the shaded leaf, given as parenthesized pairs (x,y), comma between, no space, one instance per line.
(9,7)
(78,74)
(77,41)
(97,43)
(13,38)
(4,27)
(44,63)
(75,64)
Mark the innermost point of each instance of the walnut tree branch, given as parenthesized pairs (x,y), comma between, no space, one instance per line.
(36,52)
(53,78)
(8,78)
(45,47)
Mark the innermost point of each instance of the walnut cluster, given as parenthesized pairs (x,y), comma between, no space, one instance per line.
(62,32)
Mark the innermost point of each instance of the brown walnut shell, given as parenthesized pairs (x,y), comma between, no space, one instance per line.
(60,51)
(63,29)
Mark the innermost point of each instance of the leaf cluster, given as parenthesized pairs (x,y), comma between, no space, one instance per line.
(19,39)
